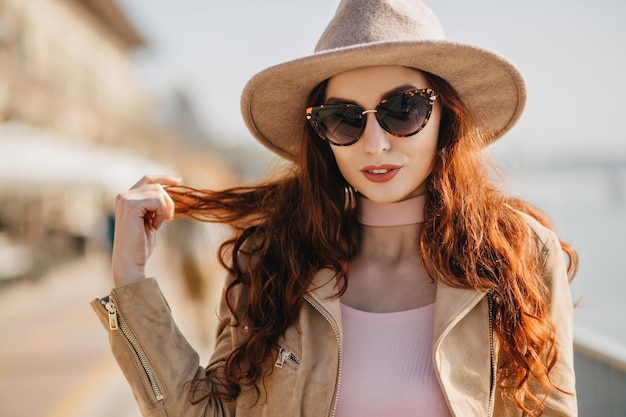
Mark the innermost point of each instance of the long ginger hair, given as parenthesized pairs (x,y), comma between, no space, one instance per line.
(286,229)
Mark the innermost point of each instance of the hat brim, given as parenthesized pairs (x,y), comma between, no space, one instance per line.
(274,100)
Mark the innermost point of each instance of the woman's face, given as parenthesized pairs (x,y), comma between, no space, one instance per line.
(383,167)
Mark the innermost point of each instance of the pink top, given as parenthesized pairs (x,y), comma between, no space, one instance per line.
(387,367)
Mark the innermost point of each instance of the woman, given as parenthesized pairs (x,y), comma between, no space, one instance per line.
(383,274)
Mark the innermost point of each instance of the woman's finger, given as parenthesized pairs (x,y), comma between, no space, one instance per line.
(170,206)
(154,198)
(157,179)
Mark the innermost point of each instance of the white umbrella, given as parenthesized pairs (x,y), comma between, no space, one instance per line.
(35,158)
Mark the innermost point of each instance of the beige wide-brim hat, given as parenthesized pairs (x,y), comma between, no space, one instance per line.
(382,32)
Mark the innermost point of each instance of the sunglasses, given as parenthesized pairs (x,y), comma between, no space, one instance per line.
(402,115)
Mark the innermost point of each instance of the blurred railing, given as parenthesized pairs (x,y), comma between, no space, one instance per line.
(600,364)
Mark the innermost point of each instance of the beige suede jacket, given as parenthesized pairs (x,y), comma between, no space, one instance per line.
(159,363)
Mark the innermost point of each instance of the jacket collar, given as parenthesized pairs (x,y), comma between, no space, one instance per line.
(451,305)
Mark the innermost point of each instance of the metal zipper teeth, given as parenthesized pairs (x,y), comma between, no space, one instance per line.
(112,310)
(333,324)
(491,355)
(285,355)
(293,358)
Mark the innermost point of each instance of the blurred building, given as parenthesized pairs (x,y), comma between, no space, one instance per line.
(69,96)
(65,65)
(76,126)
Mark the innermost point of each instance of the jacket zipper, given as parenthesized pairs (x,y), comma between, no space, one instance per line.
(335,328)
(117,323)
(285,355)
(492,389)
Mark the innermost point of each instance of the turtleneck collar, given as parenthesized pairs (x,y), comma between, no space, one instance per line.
(404,212)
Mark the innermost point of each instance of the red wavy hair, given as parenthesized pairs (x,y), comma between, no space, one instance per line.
(289,228)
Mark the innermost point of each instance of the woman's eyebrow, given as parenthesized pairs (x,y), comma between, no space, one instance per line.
(337,100)
(395,90)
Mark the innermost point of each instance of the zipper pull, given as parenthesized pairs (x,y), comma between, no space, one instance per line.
(283,354)
(110,307)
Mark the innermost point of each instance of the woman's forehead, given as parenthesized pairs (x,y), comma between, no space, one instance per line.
(373,82)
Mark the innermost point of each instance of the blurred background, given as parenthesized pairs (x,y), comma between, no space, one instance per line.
(96,93)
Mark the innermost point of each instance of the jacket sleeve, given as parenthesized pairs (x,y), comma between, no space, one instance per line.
(561,309)
(155,357)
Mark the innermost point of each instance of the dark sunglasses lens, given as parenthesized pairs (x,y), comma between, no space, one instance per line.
(341,124)
(403,114)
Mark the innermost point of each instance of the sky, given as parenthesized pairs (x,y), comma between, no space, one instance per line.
(571,53)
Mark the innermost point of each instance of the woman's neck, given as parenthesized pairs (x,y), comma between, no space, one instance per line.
(390,231)
(409,211)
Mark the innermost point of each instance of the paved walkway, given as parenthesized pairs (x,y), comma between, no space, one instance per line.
(53,361)
(54,355)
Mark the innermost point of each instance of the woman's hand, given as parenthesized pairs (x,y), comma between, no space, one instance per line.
(139,213)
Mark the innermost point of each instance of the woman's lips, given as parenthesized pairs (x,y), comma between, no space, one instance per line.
(381,173)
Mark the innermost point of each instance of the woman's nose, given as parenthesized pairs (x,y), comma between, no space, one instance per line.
(375,138)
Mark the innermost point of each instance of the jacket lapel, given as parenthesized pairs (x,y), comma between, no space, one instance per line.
(323,291)
(461,354)
(451,305)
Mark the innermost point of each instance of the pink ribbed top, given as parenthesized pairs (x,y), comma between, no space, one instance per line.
(387,367)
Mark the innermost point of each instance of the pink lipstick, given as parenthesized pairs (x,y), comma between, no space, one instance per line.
(380,173)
